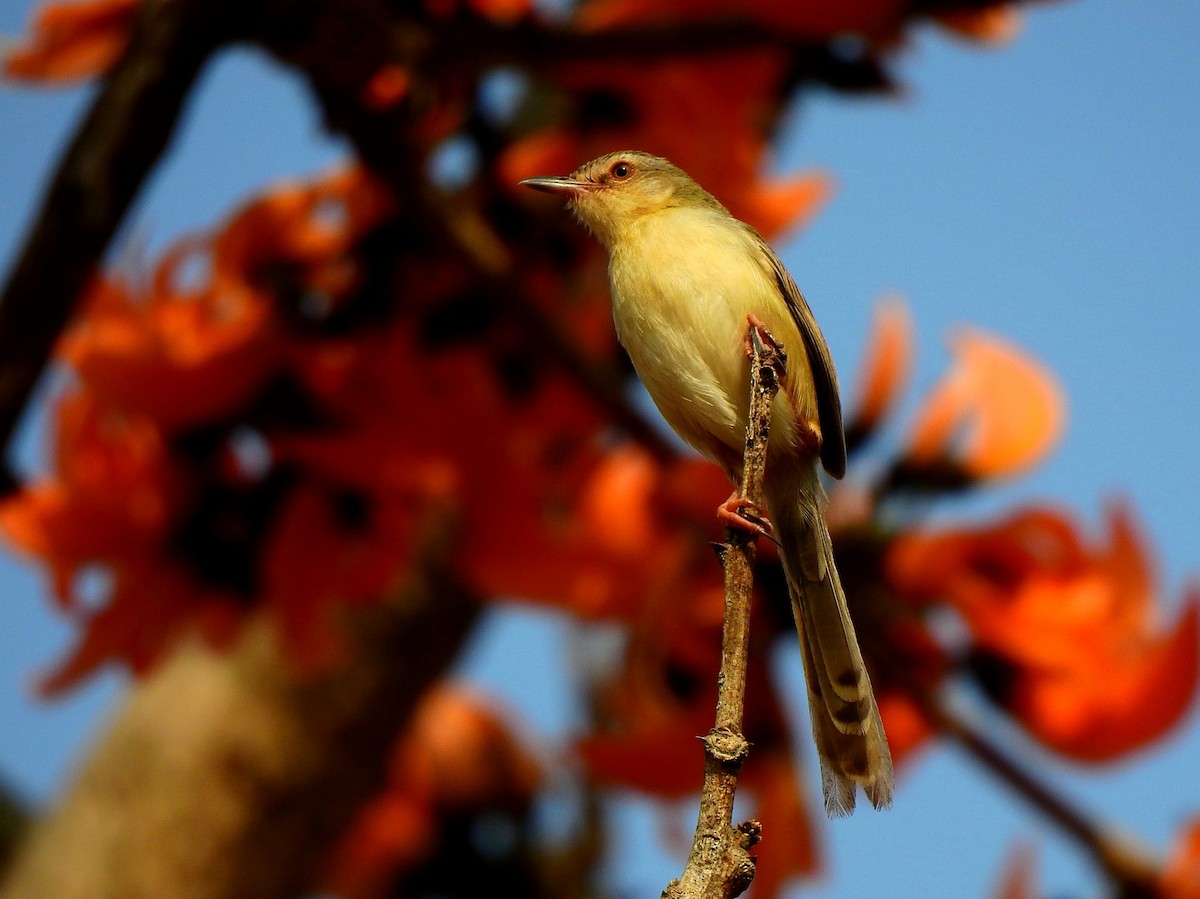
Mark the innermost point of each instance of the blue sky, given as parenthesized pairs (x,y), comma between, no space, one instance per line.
(1047,192)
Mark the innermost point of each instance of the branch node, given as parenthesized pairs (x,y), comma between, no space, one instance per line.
(726,745)
(741,873)
(750,833)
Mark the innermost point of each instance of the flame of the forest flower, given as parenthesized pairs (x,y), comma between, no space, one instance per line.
(878,20)
(886,364)
(718,95)
(1017,879)
(73,40)
(996,412)
(823,18)
(114,492)
(1069,633)
(1181,879)
(387,87)
(457,755)
(1000,23)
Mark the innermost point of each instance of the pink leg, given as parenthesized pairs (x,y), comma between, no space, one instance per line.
(764,335)
(744,515)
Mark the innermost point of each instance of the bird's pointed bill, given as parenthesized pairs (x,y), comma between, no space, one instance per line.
(557,185)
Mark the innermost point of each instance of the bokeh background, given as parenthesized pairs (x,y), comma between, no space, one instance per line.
(1047,191)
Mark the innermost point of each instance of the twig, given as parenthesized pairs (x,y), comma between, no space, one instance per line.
(113,151)
(720,865)
(1119,856)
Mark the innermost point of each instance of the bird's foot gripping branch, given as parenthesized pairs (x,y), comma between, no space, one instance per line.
(720,864)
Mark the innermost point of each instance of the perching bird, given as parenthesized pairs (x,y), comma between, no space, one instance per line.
(686,277)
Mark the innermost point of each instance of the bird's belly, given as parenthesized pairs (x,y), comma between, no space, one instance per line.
(685,333)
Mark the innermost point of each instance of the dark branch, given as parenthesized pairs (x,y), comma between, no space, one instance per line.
(1123,860)
(116,147)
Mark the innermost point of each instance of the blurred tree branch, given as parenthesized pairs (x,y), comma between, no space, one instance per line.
(115,147)
(231,775)
(14,821)
(1121,858)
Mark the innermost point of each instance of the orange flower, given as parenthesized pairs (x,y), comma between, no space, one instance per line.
(908,730)
(525,534)
(331,548)
(729,95)
(996,412)
(1068,635)
(997,24)
(73,40)
(309,228)
(503,11)
(177,358)
(112,495)
(1181,879)
(458,754)
(815,18)
(885,366)
(208,335)
(1019,871)
(152,604)
(880,20)
(387,87)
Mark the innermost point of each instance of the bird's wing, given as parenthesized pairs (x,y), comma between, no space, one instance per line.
(829,404)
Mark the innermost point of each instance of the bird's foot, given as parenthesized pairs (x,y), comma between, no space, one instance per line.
(759,332)
(742,514)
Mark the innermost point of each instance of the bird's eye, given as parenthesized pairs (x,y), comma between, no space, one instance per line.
(620,170)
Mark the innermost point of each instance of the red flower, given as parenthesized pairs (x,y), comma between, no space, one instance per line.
(885,367)
(1086,666)
(111,495)
(1181,879)
(458,754)
(1019,874)
(73,40)
(725,95)
(996,412)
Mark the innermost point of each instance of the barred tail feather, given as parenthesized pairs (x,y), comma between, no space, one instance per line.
(847,730)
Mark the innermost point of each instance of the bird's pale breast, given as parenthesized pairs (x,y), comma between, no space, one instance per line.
(683,282)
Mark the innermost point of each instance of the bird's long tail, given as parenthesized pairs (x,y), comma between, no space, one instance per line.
(851,744)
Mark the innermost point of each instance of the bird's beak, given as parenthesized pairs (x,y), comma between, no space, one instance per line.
(559,185)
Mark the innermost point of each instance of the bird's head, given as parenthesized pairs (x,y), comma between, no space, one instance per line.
(613,192)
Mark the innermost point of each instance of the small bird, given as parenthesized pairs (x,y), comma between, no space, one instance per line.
(687,280)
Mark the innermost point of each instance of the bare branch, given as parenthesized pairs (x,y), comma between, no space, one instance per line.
(720,865)
(113,151)
(1122,858)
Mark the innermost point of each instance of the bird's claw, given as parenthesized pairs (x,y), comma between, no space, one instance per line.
(759,337)
(744,515)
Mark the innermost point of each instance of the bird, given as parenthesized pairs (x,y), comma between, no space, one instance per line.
(687,281)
